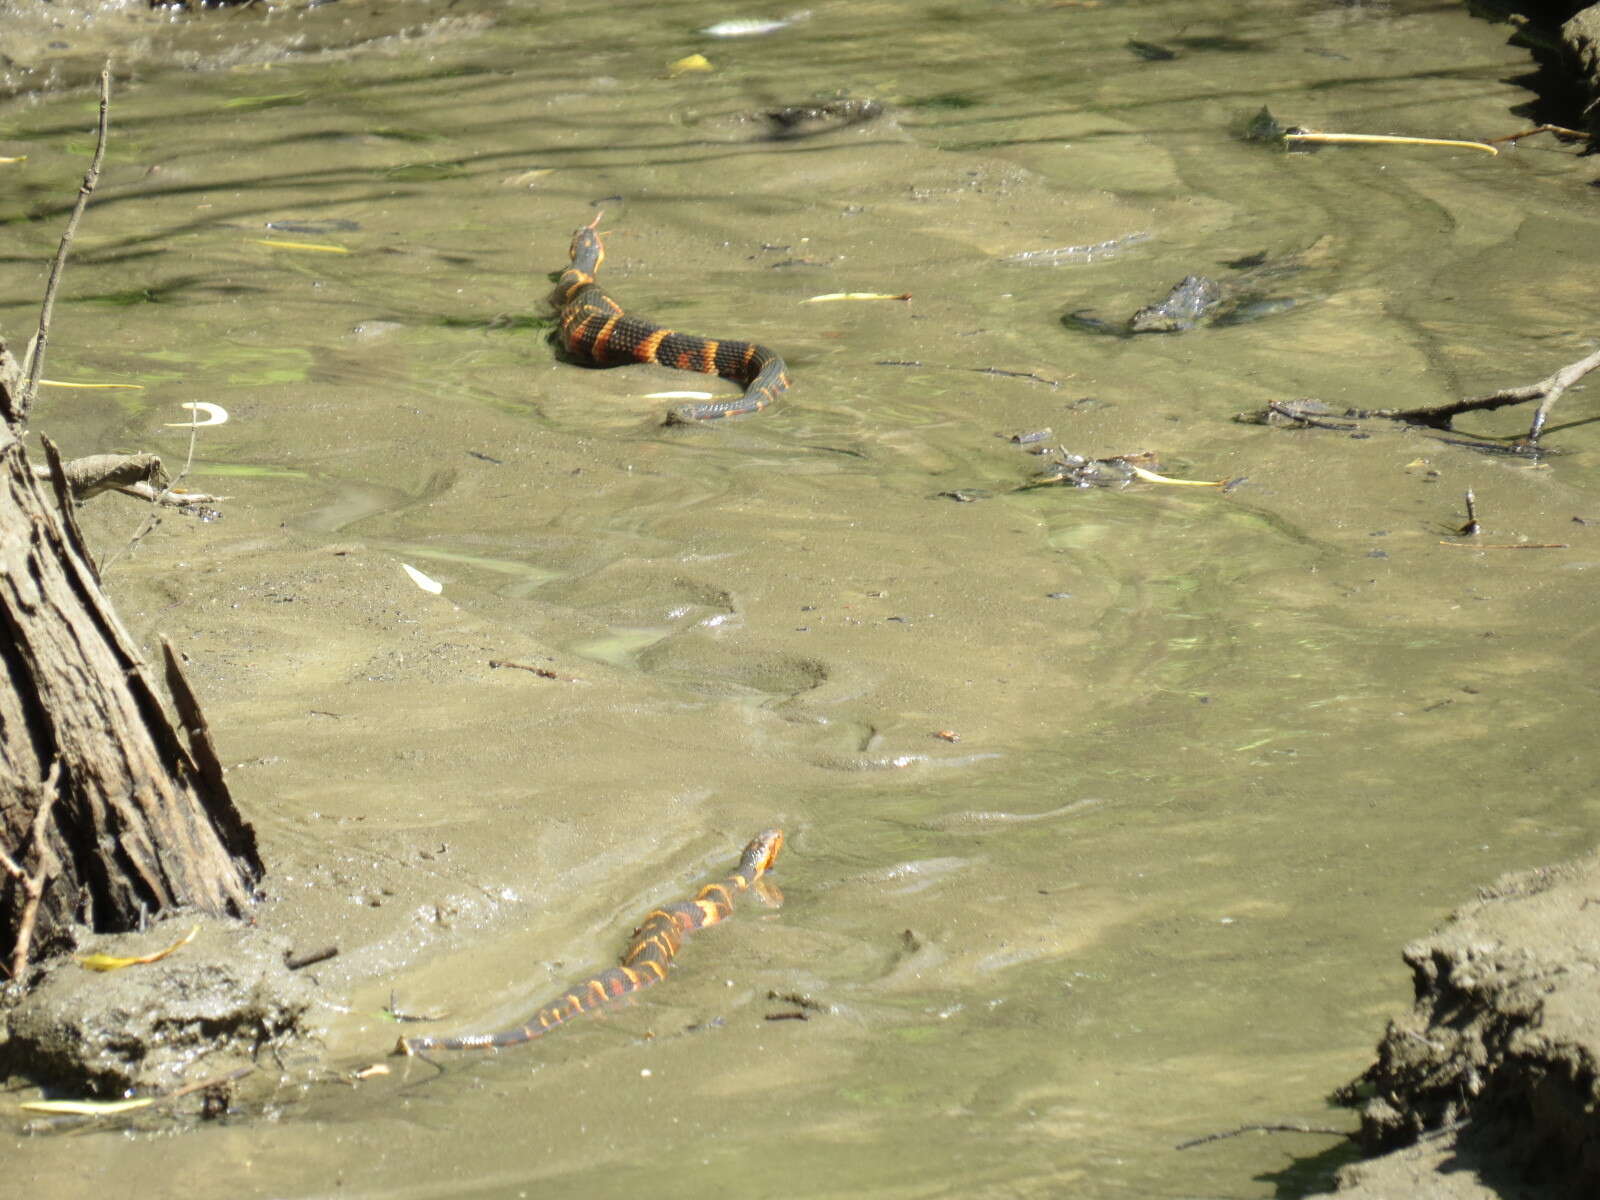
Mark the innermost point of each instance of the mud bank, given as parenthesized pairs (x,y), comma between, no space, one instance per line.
(1564,37)
(1581,38)
(220,1002)
(1490,1085)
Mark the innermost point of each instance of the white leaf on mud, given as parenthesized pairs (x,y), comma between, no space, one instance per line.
(422,581)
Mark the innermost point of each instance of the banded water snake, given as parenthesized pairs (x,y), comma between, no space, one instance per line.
(593,326)
(647,959)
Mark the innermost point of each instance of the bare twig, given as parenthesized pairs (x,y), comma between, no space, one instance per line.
(296,962)
(1561,131)
(198,1085)
(541,672)
(165,495)
(1285,1128)
(1547,391)
(45,864)
(30,389)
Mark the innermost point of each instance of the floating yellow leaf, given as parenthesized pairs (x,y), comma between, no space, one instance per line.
(111,962)
(65,384)
(18,158)
(1383,139)
(87,1108)
(320,249)
(856,296)
(695,62)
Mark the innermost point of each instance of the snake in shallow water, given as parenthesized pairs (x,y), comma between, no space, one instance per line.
(593,326)
(646,960)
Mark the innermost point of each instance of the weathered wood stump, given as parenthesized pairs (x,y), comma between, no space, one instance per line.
(107,815)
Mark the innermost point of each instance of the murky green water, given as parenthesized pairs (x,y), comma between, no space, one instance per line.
(1220,754)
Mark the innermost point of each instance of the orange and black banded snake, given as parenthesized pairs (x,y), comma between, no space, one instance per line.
(647,959)
(593,326)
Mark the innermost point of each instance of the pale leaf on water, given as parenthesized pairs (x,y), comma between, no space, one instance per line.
(85,1108)
(214,414)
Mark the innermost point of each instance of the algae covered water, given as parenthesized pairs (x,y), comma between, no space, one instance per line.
(1108,809)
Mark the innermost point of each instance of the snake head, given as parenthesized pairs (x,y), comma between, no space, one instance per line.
(586,241)
(762,851)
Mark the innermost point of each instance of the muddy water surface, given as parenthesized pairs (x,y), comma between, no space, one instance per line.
(1219,756)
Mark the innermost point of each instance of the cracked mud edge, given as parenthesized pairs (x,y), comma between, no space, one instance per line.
(1490,1086)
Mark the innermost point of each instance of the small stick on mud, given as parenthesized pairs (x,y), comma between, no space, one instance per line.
(1001,371)
(541,672)
(1055,383)
(1286,1128)
(33,885)
(296,962)
(1471,528)
(200,1085)
(30,389)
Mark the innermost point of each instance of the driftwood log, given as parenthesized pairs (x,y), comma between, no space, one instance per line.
(107,815)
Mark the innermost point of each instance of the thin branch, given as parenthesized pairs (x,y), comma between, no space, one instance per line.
(30,389)
(166,495)
(1312,413)
(1561,132)
(1285,1128)
(1547,391)
(45,865)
